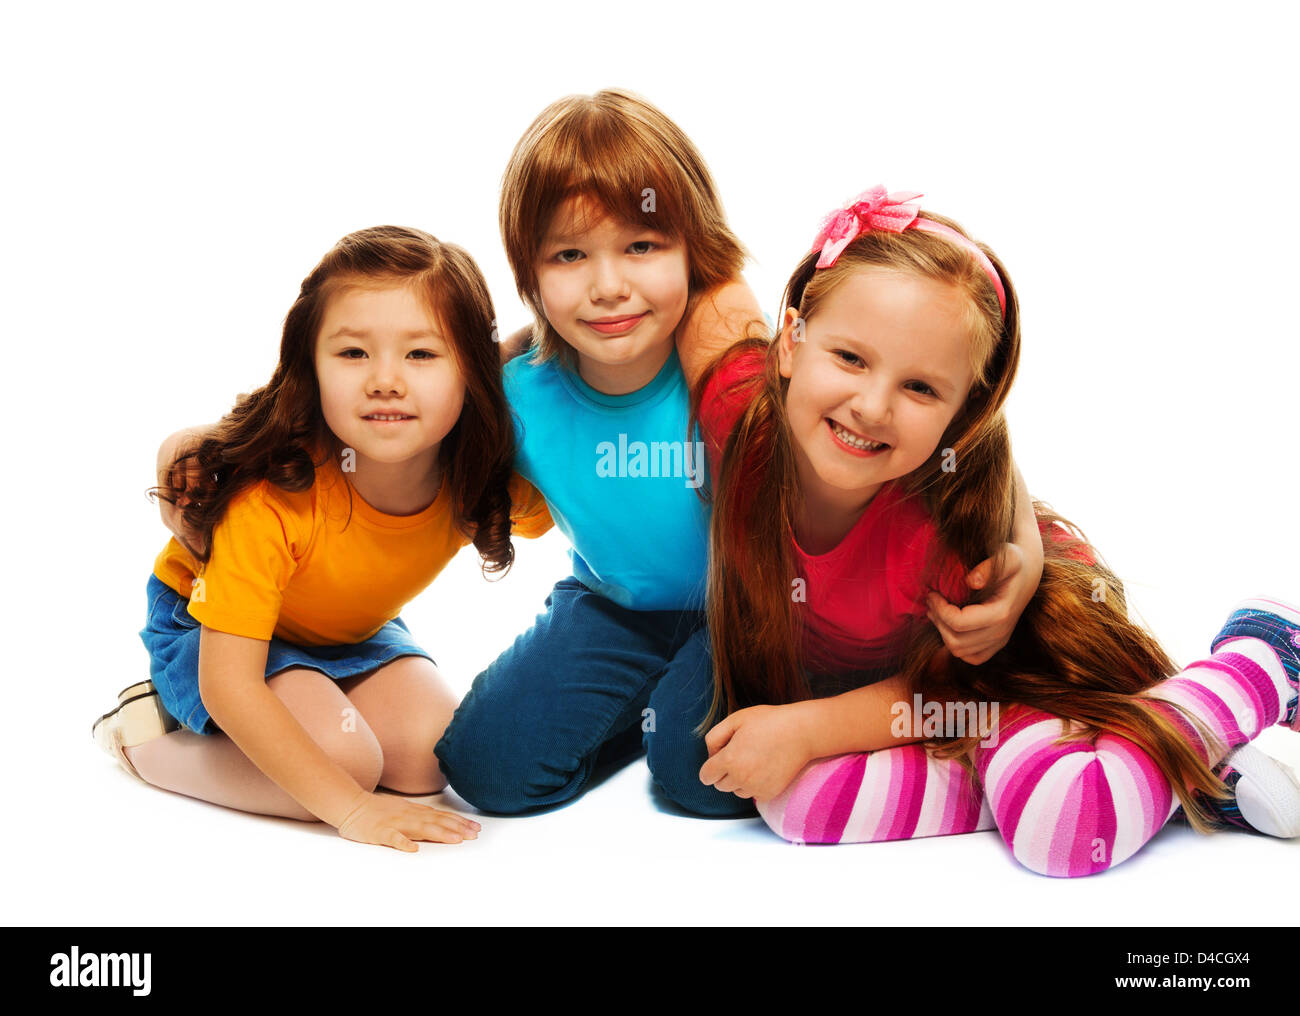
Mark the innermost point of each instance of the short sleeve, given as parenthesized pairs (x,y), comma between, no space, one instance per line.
(725,397)
(1068,544)
(529,516)
(255,551)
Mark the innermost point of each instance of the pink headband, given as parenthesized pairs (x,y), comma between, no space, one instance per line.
(875,209)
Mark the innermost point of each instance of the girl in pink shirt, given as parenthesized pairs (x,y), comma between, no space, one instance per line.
(862,463)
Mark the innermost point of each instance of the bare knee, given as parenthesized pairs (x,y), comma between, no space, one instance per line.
(408,705)
(352,744)
(410,766)
(336,726)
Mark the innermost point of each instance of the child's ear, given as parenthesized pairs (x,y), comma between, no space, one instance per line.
(792,328)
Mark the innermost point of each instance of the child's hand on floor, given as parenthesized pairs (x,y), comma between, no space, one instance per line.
(977,632)
(755,752)
(393,822)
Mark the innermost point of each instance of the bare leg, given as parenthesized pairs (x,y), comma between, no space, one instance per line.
(408,705)
(212,768)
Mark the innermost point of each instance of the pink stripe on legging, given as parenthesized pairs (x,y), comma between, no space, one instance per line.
(954,808)
(1035,755)
(1097,821)
(909,778)
(1015,720)
(1261,689)
(1149,798)
(961,802)
(1075,825)
(876,800)
(1022,779)
(1258,692)
(1204,702)
(834,802)
(1068,809)
(897,793)
(793,806)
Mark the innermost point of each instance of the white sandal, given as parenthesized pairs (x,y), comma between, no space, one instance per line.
(132,690)
(137,718)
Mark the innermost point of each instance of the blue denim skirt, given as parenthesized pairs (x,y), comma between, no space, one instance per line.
(171,637)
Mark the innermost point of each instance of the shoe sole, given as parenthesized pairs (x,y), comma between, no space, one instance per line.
(1268,794)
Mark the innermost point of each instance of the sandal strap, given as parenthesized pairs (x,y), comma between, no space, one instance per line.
(142,718)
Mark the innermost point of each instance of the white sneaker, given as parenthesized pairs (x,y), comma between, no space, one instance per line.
(1268,793)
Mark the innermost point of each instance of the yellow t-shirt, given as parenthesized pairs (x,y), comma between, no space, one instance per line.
(295,565)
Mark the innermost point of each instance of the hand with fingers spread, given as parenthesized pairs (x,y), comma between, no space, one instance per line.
(977,632)
(394,822)
(756,752)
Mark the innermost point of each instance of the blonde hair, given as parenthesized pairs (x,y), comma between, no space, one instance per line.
(1071,655)
(630,160)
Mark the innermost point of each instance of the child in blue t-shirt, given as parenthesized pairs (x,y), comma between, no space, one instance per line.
(619,246)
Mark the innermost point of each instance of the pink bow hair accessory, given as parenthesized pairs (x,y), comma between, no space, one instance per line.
(872,209)
(879,210)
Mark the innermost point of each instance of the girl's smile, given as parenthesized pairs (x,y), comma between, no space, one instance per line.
(618,325)
(854,443)
(388,418)
(879,375)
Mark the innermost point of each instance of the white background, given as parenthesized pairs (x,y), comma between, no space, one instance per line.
(171,173)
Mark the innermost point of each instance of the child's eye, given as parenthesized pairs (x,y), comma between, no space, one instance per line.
(564,258)
(642,247)
(424,354)
(347,353)
(852,359)
(921,388)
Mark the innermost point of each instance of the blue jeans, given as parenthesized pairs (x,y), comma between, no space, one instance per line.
(588,672)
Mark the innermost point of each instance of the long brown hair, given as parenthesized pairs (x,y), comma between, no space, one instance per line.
(633,162)
(278,432)
(1074,654)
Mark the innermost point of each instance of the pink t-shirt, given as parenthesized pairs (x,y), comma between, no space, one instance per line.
(859,598)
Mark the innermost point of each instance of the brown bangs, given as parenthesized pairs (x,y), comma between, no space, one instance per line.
(631,162)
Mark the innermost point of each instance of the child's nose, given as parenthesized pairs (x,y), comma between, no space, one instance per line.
(871,401)
(607,281)
(384,378)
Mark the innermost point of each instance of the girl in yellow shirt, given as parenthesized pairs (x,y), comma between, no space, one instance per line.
(282,678)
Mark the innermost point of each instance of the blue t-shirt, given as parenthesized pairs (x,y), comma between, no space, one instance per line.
(621,480)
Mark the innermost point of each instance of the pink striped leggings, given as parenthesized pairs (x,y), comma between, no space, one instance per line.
(1064,809)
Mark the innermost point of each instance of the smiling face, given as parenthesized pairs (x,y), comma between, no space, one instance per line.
(390,385)
(613,291)
(882,370)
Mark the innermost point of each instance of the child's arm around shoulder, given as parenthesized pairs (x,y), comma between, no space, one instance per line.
(173,447)
(718,320)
